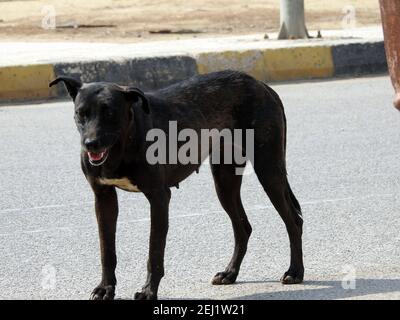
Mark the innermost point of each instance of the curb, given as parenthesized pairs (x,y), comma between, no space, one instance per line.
(359,58)
(26,82)
(272,64)
(269,64)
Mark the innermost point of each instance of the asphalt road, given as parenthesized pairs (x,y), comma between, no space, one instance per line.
(343,163)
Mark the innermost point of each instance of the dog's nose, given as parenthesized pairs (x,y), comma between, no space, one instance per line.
(91,144)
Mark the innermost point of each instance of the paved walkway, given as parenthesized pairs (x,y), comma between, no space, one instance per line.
(17,53)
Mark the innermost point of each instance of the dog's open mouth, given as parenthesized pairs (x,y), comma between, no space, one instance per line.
(97,159)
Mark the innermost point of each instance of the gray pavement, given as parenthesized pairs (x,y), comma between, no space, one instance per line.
(343,163)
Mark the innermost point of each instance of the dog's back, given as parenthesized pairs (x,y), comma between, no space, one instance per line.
(225,99)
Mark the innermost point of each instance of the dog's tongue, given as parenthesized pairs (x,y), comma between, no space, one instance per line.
(95,156)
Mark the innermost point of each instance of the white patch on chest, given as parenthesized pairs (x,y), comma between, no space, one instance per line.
(122,183)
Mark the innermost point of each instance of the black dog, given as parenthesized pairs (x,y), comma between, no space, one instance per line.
(113,122)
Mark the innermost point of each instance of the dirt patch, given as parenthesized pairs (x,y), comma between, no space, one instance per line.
(142,20)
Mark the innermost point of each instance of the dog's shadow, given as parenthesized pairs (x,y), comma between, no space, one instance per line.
(331,290)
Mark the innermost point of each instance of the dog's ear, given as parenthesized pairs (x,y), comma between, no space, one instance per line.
(134,94)
(72,85)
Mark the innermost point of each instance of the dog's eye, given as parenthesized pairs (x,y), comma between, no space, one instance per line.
(110,113)
(81,114)
(106,110)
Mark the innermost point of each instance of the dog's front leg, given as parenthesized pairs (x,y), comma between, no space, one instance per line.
(106,204)
(159,202)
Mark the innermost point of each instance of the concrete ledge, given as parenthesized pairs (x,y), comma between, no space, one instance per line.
(286,61)
(359,58)
(272,64)
(145,73)
(250,61)
(298,63)
(26,82)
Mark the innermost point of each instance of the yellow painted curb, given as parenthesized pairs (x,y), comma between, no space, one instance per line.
(298,63)
(26,82)
(272,64)
(250,61)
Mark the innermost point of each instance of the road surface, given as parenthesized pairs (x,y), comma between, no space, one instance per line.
(344,167)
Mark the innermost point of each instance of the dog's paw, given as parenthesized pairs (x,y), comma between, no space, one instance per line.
(292,277)
(226,277)
(103,293)
(145,294)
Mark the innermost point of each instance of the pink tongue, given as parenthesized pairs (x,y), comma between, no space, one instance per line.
(95,156)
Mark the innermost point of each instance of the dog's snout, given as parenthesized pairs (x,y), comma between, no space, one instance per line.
(91,144)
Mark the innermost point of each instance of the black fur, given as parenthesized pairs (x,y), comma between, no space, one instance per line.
(114,118)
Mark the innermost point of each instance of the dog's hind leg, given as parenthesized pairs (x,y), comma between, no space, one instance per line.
(227,184)
(269,165)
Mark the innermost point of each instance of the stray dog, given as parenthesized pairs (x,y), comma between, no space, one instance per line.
(113,121)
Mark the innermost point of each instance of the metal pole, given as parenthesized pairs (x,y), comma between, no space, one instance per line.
(292,18)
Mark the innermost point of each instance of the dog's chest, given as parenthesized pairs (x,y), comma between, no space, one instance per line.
(121,183)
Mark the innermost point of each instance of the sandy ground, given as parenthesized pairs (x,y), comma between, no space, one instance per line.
(132,21)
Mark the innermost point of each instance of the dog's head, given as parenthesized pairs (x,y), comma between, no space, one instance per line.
(103,115)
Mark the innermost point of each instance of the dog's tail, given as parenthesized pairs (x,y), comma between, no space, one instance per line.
(278,100)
